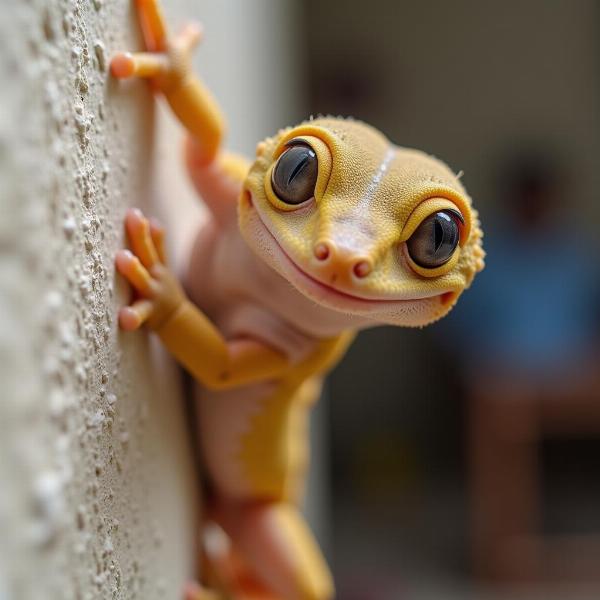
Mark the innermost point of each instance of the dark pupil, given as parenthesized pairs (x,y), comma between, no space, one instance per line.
(434,241)
(295,174)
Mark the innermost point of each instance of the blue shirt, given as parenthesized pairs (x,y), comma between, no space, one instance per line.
(536,304)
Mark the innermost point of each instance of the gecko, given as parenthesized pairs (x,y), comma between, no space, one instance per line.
(331,229)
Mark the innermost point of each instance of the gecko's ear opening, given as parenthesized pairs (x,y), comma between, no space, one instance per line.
(449,298)
(246,199)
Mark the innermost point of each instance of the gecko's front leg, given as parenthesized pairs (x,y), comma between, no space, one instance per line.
(167,63)
(183,328)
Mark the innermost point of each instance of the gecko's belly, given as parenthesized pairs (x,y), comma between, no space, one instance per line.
(254,439)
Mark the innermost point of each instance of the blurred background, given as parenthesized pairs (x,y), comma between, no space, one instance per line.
(455,462)
(466,456)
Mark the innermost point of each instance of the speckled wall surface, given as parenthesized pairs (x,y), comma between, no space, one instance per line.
(98,494)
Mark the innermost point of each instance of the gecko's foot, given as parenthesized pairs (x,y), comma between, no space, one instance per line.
(157,293)
(167,58)
(194,591)
(226,569)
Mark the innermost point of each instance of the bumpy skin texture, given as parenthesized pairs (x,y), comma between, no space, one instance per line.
(259,346)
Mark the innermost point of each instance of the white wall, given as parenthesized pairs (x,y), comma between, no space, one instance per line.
(98,494)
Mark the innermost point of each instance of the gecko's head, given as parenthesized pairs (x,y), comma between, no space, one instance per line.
(359,225)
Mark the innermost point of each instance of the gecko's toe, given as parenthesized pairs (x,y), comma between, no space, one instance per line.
(138,231)
(122,65)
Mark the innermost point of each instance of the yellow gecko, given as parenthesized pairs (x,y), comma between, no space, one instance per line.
(330,230)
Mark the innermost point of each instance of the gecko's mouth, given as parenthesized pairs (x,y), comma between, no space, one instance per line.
(332,297)
(323,290)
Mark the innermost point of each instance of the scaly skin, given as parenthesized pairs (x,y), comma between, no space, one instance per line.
(259,346)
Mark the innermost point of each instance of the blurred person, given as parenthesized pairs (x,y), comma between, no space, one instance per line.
(526,337)
(534,312)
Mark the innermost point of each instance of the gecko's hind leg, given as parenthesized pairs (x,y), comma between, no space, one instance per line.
(224,569)
(280,550)
(194,591)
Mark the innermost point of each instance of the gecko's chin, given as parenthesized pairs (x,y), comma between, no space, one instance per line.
(413,312)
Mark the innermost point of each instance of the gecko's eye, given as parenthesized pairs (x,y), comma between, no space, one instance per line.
(435,239)
(295,174)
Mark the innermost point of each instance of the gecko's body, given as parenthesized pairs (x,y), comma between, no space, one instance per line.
(254,436)
(330,230)
(247,457)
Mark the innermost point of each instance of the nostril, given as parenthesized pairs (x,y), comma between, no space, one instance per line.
(322,251)
(362,268)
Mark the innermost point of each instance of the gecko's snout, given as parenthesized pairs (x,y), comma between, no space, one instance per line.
(335,262)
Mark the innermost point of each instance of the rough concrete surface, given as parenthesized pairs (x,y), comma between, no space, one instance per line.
(97,490)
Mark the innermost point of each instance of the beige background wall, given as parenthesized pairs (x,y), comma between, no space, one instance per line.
(468,80)
(98,494)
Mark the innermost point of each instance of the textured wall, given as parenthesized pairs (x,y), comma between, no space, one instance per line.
(98,494)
